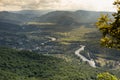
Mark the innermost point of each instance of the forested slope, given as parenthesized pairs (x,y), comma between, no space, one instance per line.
(25,65)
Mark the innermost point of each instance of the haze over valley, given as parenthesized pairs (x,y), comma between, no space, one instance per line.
(22,31)
(41,43)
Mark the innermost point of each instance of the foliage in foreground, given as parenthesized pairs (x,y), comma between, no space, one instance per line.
(106,76)
(110,28)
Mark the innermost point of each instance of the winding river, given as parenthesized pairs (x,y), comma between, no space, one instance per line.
(91,61)
(77,52)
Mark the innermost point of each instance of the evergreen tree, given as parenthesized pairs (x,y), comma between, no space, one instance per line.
(110,28)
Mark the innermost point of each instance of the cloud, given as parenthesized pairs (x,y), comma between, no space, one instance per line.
(27,4)
(36,4)
(97,5)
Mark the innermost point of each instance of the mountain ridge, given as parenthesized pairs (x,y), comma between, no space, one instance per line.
(58,17)
(73,17)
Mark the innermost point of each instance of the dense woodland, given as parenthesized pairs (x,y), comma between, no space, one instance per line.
(25,65)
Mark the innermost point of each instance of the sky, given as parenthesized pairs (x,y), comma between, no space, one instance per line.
(92,5)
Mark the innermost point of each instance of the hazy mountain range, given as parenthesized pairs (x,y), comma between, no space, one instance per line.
(69,17)
(58,17)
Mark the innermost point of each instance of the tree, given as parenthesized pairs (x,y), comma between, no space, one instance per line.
(110,28)
(106,76)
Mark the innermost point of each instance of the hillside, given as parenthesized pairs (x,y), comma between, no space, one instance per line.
(65,18)
(25,65)
(12,17)
(69,17)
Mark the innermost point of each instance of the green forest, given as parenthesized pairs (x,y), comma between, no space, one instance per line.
(25,65)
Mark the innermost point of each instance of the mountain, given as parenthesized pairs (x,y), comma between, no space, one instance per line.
(32,13)
(56,17)
(89,16)
(13,17)
(20,17)
(69,17)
